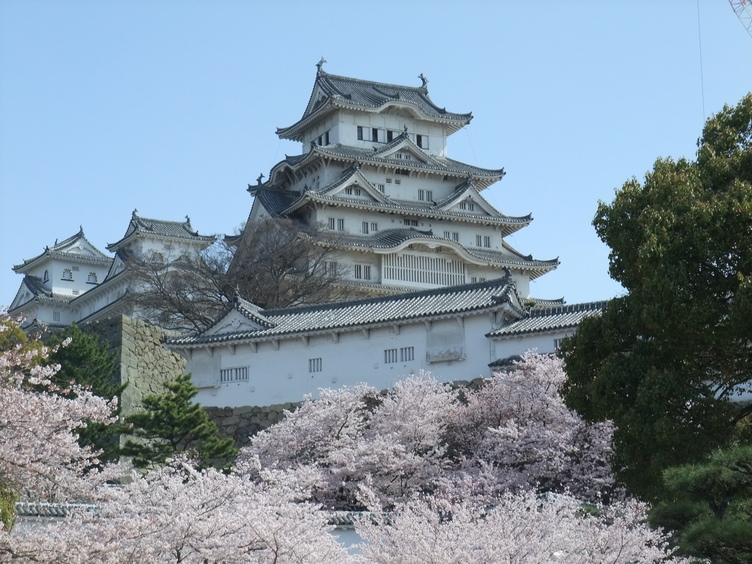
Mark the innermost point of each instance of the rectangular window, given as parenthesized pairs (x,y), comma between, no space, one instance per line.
(487,241)
(330,267)
(380,187)
(326,138)
(421,195)
(452,236)
(55,316)
(234,374)
(478,240)
(340,225)
(374,227)
(389,136)
(362,271)
(407,354)
(557,343)
(331,223)
(364,228)
(397,181)
(352,191)
(314,365)
(421,141)
(360,133)
(388,180)
(411,222)
(375,135)
(390,356)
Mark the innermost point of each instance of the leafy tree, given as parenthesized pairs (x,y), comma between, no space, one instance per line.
(274,263)
(87,361)
(666,360)
(170,424)
(709,504)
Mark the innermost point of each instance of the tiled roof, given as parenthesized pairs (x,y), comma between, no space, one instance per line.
(42,509)
(160,228)
(376,311)
(484,177)
(63,250)
(344,92)
(543,319)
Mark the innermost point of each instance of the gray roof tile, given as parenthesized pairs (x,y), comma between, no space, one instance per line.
(341,91)
(543,319)
(382,310)
(160,228)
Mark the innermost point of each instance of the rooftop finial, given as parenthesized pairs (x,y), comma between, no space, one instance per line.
(135,212)
(320,64)
(424,80)
(405,126)
(187,219)
(260,178)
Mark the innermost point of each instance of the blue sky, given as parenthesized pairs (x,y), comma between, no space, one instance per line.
(171,107)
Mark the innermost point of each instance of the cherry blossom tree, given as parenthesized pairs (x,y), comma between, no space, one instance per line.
(519,527)
(517,432)
(183,515)
(347,437)
(514,432)
(39,452)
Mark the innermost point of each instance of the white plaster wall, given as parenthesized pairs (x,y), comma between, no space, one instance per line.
(282,375)
(543,343)
(346,132)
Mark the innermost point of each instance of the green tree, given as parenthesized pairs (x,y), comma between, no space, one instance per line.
(88,361)
(666,360)
(710,505)
(172,423)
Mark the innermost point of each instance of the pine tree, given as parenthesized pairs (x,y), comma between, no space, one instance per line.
(87,361)
(172,423)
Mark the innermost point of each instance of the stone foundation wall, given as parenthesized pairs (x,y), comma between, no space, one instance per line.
(241,423)
(145,365)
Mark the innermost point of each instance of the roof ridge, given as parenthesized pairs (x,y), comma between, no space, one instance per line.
(502,281)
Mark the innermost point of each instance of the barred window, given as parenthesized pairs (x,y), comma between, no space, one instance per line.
(314,365)
(390,356)
(239,374)
(407,354)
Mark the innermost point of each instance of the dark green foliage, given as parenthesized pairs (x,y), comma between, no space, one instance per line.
(665,360)
(170,424)
(89,362)
(8,499)
(709,504)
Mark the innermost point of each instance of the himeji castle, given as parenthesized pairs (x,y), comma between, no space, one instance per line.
(375,173)
(437,286)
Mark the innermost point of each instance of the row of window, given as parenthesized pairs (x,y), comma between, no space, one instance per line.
(376,135)
(68,275)
(338,224)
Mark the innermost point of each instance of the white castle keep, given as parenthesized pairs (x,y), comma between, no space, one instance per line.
(444,290)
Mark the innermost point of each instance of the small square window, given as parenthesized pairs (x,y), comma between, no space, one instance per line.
(314,365)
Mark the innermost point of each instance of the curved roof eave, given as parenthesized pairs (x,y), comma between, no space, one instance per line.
(295,131)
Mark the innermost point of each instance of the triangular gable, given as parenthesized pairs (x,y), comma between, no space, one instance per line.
(242,317)
(467,199)
(403,145)
(353,178)
(27,292)
(318,98)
